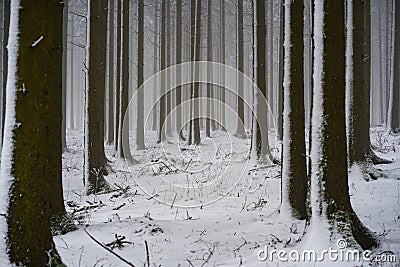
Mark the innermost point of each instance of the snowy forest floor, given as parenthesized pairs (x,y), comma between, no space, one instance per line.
(151,202)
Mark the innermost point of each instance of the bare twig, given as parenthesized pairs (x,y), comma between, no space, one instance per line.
(108,249)
(147,253)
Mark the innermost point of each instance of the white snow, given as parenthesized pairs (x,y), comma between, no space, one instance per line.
(6,177)
(35,43)
(285,207)
(235,227)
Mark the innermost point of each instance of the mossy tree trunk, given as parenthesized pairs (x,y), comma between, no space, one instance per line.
(36,150)
(294,170)
(331,200)
(96,160)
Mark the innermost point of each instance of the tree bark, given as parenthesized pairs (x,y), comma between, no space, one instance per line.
(140,79)
(96,159)
(279,116)
(394,118)
(294,170)
(118,75)
(162,107)
(156,48)
(178,54)
(196,85)
(222,61)
(123,140)
(240,131)
(64,77)
(262,146)
(34,148)
(359,106)
(331,207)
(110,101)
(209,70)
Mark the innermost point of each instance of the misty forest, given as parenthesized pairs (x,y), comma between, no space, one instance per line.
(199,132)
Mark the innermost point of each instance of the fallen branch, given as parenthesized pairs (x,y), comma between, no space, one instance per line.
(147,253)
(108,249)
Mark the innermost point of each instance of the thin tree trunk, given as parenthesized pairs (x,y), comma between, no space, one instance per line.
(71,79)
(240,131)
(140,79)
(64,77)
(110,128)
(209,69)
(279,121)
(161,130)
(262,145)
(123,140)
(155,64)
(394,118)
(118,76)
(196,85)
(178,54)
(222,60)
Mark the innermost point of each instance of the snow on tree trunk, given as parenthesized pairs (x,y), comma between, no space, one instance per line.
(332,213)
(294,171)
(31,156)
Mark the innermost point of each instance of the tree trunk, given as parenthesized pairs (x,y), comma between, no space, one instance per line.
(394,118)
(123,140)
(359,91)
(279,121)
(96,164)
(155,65)
(31,155)
(178,54)
(140,79)
(222,60)
(209,69)
(240,131)
(110,128)
(331,208)
(196,85)
(64,77)
(161,130)
(118,75)
(294,170)
(262,145)
(168,125)
(71,79)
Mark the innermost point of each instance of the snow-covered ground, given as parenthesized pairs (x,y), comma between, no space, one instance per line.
(207,206)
